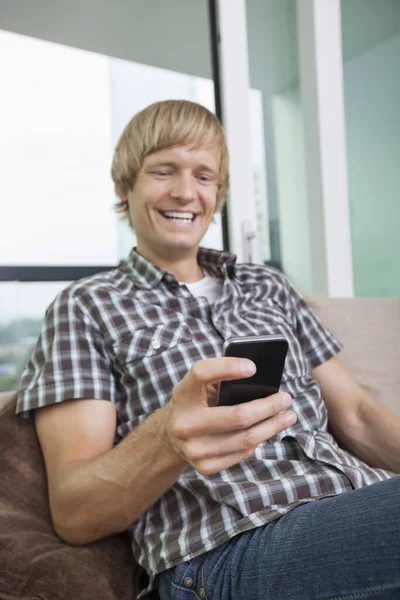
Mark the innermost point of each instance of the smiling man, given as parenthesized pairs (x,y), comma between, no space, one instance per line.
(248,502)
(171,205)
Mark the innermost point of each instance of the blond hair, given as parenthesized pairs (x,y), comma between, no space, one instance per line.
(161,125)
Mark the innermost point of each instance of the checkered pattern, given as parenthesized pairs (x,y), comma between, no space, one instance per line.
(130,334)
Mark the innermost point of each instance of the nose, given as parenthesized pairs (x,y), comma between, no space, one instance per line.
(183,187)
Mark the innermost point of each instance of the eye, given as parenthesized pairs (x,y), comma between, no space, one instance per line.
(205,178)
(161,173)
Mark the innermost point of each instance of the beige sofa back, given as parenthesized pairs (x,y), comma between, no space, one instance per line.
(369,329)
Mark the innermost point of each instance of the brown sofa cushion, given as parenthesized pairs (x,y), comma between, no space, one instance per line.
(34,563)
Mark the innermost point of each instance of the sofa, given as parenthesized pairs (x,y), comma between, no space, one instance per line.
(36,565)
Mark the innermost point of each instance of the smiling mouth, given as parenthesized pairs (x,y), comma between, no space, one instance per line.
(185,218)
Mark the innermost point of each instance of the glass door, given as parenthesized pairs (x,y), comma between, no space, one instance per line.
(371,50)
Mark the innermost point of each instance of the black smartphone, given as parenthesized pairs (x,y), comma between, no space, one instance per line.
(268,352)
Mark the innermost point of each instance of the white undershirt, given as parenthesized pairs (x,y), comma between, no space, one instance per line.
(209,287)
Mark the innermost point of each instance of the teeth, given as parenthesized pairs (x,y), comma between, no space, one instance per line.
(180,220)
(187,217)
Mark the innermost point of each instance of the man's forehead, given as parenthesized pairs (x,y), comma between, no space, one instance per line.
(208,154)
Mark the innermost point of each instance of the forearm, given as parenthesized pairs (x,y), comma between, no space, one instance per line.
(101,496)
(375,436)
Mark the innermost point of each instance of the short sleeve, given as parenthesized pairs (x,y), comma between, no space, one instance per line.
(69,360)
(317,342)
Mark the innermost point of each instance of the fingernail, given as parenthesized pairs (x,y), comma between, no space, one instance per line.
(248,367)
(286,400)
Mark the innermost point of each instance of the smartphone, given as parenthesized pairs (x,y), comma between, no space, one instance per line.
(268,352)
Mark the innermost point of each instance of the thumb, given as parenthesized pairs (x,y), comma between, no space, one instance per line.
(211,371)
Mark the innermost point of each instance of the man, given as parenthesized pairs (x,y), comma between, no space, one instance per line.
(221,502)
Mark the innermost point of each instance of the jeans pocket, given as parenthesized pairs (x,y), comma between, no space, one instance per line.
(173,580)
(184,579)
(181,573)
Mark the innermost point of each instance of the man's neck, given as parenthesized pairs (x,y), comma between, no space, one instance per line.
(185,268)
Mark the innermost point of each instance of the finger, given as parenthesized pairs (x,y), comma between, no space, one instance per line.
(208,447)
(212,395)
(210,466)
(223,419)
(212,388)
(213,370)
(245,415)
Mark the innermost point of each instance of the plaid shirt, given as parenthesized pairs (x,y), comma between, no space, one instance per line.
(130,334)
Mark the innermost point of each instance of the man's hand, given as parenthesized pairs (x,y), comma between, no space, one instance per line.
(212,438)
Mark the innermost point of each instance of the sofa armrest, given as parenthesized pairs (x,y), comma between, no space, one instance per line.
(34,562)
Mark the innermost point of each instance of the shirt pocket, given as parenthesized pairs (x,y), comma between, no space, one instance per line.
(267,318)
(149,342)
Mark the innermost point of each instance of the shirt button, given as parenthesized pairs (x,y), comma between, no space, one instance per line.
(156,344)
(202,593)
(188,581)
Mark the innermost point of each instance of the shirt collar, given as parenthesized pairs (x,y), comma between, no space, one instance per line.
(146,275)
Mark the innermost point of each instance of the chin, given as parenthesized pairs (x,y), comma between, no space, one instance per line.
(179,246)
(181,241)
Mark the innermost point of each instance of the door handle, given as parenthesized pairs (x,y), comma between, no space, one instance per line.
(248,237)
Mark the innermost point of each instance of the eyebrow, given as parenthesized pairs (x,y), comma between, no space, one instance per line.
(165,163)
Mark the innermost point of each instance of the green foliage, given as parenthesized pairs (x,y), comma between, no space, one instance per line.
(9,384)
(14,331)
(14,349)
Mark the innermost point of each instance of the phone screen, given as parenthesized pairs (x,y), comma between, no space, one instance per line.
(268,354)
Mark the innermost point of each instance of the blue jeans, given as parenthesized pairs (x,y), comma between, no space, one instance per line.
(338,548)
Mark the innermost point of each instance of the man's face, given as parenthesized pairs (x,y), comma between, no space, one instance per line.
(173,201)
